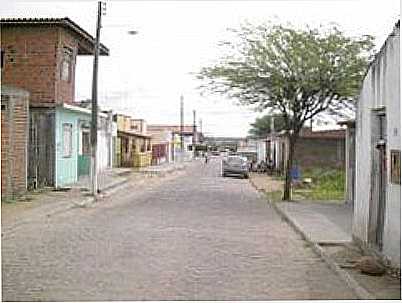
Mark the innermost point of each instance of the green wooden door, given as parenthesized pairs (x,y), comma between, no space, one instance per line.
(84,162)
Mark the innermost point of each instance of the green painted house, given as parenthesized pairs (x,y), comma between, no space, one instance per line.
(64,143)
(72,141)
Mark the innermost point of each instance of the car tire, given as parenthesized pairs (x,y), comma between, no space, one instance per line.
(246,176)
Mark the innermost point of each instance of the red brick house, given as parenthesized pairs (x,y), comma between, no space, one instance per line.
(39,56)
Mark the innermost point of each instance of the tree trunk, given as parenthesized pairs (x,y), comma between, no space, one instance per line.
(289,163)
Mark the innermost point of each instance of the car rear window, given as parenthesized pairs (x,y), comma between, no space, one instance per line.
(235,160)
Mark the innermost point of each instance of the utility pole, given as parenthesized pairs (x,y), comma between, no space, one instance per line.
(182,125)
(94,124)
(272,149)
(194,133)
(200,124)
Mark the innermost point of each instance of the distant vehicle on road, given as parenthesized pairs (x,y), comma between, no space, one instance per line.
(235,165)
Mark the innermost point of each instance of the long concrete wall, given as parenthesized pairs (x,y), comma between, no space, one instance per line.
(380,90)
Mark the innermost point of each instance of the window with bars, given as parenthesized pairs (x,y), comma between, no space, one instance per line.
(66,64)
(86,144)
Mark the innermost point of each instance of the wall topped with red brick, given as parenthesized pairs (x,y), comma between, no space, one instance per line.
(14,141)
(30,61)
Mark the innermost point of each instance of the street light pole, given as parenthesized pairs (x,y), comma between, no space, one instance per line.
(182,126)
(194,133)
(94,107)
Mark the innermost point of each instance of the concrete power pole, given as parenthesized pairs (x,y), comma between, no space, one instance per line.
(200,124)
(194,133)
(94,124)
(182,125)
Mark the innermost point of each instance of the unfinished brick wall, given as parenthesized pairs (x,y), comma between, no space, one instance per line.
(65,89)
(14,140)
(33,59)
(320,152)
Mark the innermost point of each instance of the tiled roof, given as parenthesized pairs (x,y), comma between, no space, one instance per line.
(64,22)
(172,128)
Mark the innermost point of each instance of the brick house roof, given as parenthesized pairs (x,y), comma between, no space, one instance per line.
(85,49)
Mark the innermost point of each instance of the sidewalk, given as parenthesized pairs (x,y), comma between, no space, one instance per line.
(327,227)
(49,201)
(106,180)
(322,223)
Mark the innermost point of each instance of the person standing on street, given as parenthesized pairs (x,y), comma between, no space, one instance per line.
(206,157)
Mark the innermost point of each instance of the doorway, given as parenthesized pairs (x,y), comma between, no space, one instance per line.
(379,181)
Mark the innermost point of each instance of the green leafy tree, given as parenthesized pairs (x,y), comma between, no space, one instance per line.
(296,73)
(262,126)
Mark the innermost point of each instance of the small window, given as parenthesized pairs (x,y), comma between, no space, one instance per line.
(67,140)
(66,65)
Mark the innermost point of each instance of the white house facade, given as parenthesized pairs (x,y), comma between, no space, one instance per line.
(377,207)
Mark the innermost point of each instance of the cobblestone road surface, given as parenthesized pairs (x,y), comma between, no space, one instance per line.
(197,236)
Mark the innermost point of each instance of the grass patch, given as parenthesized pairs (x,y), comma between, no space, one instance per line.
(326,185)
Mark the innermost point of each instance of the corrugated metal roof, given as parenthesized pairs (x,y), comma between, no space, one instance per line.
(64,22)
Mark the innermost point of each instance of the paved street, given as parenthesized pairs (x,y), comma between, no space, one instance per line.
(195,236)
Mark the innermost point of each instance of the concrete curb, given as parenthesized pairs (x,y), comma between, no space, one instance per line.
(361,292)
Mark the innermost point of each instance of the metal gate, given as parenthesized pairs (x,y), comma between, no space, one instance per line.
(41,150)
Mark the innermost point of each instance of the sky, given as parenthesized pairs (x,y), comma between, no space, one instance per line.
(146,74)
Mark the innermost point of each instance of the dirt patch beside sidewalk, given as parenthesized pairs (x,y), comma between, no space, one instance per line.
(383,287)
(266,183)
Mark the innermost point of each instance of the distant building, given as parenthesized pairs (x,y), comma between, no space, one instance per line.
(188,140)
(377,201)
(162,146)
(133,146)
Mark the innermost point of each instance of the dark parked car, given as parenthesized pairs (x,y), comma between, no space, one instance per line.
(235,165)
